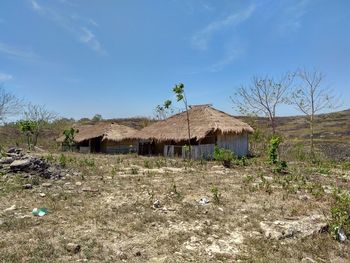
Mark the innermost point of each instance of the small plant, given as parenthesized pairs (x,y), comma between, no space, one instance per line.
(69,137)
(147,164)
(278,166)
(89,162)
(216,195)
(175,191)
(224,155)
(340,214)
(134,170)
(62,160)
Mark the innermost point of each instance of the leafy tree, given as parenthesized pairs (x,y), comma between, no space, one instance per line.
(263,96)
(97,118)
(164,111)
(27,127)
(311,97)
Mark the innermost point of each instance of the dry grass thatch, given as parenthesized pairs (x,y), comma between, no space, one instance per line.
(108,131)
(203,120)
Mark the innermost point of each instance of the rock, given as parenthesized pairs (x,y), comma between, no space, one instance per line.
(157,260)
(78,183)
(46,184)
(18,165)
(42,194)
(6,160)
(156,204)
(307,260)
(121,255)
(27,186)
(293,228)
(14,150)
(73,248)
(11,208)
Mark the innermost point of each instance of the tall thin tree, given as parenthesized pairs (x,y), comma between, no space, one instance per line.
(311,97)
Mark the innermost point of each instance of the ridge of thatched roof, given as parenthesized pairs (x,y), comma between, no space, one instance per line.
(106,130)
(204,119)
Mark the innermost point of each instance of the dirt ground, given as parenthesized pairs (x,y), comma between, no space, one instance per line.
(147,209)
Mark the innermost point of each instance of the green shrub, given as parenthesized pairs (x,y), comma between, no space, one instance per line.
(278,166)
(224,155)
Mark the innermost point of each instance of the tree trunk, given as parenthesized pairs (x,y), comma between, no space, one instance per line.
(312,135)
(189,133)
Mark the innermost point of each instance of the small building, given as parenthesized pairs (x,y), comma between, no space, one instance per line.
(208,127)
(104,137)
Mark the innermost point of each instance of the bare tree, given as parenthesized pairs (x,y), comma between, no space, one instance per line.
(10,105)
(311,96)
(40,116)
(263,96)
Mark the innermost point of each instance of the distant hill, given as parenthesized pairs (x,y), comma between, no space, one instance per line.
(330,126)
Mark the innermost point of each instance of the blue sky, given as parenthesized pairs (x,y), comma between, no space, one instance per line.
(121,58)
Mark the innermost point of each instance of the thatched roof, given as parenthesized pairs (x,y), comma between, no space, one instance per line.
(203,120)
(108,131)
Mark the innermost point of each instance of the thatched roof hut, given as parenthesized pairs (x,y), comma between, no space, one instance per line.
(108,131)
(104,137)
(204,120)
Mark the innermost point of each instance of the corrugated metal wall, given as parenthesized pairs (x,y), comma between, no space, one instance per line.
(238,143)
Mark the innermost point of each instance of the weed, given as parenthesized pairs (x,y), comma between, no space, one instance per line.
(147,164)
(340,214)
(216,195)
(224,155)
(62,160)
(134,170)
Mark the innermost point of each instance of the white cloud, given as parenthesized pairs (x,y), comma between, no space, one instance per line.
(201,39)
(292,16)
(16,52)
(90,39)
(74,24)
(5,77)
(233,52)
(35,5)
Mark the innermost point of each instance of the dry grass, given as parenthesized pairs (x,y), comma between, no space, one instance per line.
(115,220)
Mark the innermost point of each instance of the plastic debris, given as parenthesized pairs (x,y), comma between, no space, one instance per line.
(39,211)
(341,236)
(203,201)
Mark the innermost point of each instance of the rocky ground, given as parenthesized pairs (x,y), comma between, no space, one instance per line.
(139,209)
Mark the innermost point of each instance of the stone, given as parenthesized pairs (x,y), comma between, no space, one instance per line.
(293,228)
(121,255)
(27,186)
(307,260)
(78,183)
(42,194)
(156,204)
(46,184)
(18,165)
(157,260)
(73,248)
(6,160)
(11,208)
